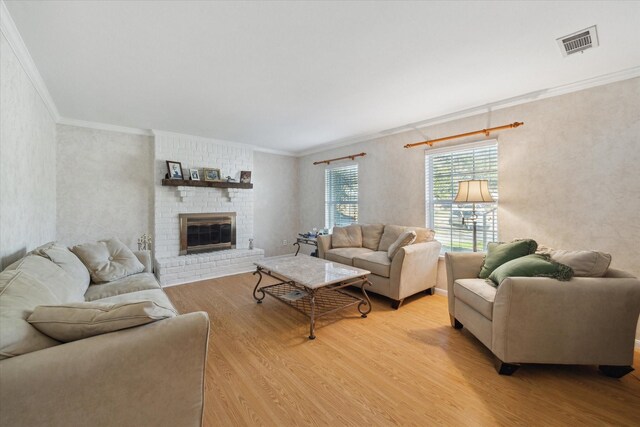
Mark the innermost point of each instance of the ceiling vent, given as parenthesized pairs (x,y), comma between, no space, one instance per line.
(578,41)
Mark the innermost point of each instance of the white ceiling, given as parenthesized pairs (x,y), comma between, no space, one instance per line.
(295,75)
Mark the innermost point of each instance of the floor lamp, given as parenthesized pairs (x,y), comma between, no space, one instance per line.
(474,191)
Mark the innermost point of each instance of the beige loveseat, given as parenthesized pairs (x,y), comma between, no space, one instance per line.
(149,375)
(584,321)
(411,270)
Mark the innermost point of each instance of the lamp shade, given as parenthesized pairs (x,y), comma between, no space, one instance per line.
(473,191)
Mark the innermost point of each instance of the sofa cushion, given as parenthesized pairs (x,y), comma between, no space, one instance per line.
(499,253)
(422,234)
(376,262)
(405,239)
(108,260)
(534,265)
(61,284)
(65,259)
(371,235)
(347,237)
(345,255)
(71,322)
(390,235)
(583,263)
(133,283)
(476,293)
(20,293)
(156,295)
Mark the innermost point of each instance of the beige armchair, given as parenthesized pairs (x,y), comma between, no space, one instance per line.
(585,321)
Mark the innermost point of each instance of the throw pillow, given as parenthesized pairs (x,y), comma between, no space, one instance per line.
(405,239)
(347,237)
(108,260)
(422,234)
(583,263)
(71,322)
(20,293)
(390,235)
(534,265)
(66,260)
(499,253)
(371,235)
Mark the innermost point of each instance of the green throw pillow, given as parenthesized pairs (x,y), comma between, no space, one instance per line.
(535,265)
(499,253)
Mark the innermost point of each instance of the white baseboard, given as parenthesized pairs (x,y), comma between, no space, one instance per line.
(637,343)
(442,292)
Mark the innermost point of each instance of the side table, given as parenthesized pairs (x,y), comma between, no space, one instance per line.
(311,241)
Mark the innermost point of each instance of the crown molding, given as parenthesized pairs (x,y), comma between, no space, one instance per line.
(104,126)
(11,33)
(604,79)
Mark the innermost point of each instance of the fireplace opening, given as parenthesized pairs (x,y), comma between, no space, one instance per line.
(206,232)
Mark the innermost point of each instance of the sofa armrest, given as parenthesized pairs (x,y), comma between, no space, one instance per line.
(414,268)
(461,265)
(587,320)
(324,244)
(145,259)
(147,375)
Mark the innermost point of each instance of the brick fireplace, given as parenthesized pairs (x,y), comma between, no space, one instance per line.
(205,207)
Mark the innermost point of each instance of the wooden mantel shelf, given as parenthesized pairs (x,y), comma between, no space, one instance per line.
(215,184)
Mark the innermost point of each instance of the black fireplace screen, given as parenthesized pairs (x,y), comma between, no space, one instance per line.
(207,232)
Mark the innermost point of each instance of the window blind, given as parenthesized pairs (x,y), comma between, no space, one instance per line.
(443,170)
(341,196)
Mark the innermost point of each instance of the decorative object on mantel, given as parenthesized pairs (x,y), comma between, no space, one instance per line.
(352,157)
(175,170)
(144,242)
(251,244)
(195,174)
(211,174)
(245,177)
(229,179)
(215,184)
(473,191)
(486,132)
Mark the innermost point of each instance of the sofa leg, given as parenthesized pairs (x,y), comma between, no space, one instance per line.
(430,291)
(615,371)
(454,322)
(396,304)
(504,368)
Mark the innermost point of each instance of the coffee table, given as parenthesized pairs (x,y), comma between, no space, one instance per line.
(312,285)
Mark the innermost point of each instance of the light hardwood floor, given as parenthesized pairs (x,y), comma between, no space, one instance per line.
(405,367)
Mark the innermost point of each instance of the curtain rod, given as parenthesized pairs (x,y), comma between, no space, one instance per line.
(462,135)
(352,157)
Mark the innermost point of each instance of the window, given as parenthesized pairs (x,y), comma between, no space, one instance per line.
(341,196)
(443,169)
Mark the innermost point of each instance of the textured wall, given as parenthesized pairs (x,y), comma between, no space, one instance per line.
(276,203)
(568,178)
(104,185)
(27,162)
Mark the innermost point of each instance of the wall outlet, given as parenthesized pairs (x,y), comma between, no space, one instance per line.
(285,243)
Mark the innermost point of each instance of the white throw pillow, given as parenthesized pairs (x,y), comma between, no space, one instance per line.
(583,263)
(71,322)
(108,260)
(405,239)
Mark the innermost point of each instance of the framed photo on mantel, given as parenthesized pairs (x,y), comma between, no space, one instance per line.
(211,174)
(175,170)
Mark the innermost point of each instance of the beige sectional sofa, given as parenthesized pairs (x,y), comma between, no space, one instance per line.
(410,270)
(583,321)
(151,374)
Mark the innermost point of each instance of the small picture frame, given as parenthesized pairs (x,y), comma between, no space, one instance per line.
(245,177)
(212,174)
(194,174)
(174,169)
